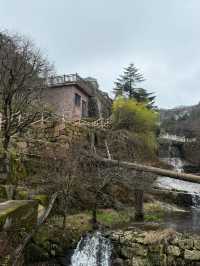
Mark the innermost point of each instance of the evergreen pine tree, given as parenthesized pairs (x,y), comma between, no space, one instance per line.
(127,82)
(127,85)
(141,95)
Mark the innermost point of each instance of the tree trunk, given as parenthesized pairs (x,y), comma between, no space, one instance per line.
(94,215)
(6,142)
(149,169)
(139,208)
(64,220)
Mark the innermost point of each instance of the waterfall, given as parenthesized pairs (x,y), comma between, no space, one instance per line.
(174,184)
(92,250)
(176,162)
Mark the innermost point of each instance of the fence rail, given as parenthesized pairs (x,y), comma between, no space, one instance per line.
(70,79)
(177,138)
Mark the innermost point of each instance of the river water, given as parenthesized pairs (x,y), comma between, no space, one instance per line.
(189,221)
(174,184)
(96,250)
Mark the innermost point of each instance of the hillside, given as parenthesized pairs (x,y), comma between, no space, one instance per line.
(183,120)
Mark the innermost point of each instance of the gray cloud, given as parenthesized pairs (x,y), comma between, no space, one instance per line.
(99,37)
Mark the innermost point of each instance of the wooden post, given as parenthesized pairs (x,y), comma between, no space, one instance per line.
(139,205)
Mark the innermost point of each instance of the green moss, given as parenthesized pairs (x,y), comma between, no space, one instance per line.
(111,217)
(3,194)
(43,199)
(23,194)
(80,223)
(2,220)
(152,217)
(17,168)
(20,213)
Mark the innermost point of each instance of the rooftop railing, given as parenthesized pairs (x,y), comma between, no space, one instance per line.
(70,79)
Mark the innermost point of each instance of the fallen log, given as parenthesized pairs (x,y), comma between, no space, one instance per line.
(150,169)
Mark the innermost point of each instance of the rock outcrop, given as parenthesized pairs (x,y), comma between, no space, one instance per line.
(162,248)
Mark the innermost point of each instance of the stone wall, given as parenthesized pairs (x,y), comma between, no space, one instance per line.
(151,248)
(17,218)
(21,213)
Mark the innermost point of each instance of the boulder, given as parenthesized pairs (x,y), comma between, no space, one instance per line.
(192,255)
(173,250)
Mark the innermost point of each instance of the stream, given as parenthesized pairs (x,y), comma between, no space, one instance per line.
(186,221)
(96,250)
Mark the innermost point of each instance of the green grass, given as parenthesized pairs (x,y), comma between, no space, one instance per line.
(105,217)
(80,222)
(110,217)
(153,217)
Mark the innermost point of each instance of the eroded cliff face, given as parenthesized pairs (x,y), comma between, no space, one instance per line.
(162,248)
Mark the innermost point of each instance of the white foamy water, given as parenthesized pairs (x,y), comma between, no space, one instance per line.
(171,183)
(92,250)
(180,185)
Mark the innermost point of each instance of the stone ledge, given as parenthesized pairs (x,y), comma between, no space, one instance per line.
(22,213)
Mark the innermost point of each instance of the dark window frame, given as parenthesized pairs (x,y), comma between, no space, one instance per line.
(84,108)
(77,99)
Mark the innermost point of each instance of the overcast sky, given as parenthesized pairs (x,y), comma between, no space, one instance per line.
(99,37)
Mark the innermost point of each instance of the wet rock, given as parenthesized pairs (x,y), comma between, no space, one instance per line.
(197,244)
(126,252)
(186,243)
(192,254)
(139,250)
(173,250)
(118,262)
(139,262)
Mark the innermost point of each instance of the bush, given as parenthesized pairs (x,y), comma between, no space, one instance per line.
(132,115)
(138,120)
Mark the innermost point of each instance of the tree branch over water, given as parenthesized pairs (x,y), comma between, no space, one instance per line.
(149,169)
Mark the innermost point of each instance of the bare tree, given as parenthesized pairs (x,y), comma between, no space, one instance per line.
(22,74)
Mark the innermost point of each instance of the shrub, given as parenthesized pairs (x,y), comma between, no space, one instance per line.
(132,115)
(138,120)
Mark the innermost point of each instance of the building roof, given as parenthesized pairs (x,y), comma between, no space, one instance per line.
(71,79)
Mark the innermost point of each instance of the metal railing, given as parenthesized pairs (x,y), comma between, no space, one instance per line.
(176,138)
(70,79)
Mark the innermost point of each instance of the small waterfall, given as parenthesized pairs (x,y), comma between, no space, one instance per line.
(169,183)
(92,250)
(176,162)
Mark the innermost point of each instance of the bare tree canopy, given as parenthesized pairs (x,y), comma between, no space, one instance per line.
(22,74)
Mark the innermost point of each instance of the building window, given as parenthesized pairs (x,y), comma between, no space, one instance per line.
(77,99)
(84,109)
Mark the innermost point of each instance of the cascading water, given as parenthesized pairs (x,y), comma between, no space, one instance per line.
(190,221)
(169,183)
(92,250)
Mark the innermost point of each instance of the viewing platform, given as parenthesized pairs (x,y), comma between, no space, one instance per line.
(71,79)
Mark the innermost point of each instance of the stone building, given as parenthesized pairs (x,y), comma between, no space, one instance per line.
(73,97)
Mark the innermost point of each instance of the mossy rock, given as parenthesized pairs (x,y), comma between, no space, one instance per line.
(34,252)
(54,240)
(43,199)
(17,169)
(18,213)
(3,193)
(22,195)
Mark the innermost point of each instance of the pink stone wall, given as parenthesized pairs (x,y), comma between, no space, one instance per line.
(62,101)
